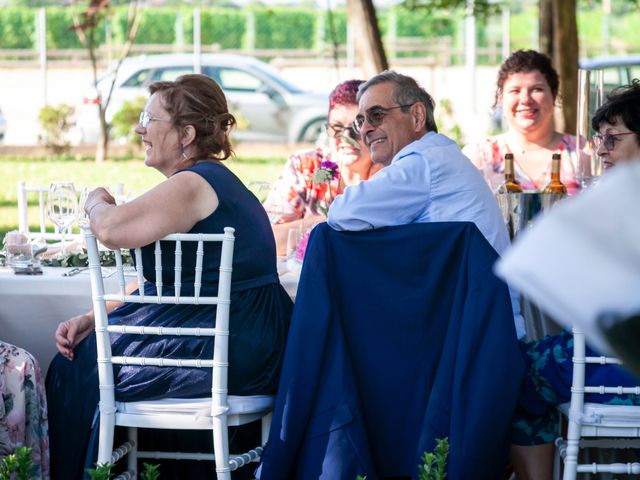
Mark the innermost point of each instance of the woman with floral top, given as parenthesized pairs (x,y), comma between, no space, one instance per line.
(311,179)
(527,90)
(23,408)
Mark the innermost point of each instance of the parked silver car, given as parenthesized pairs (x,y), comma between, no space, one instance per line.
(268,106)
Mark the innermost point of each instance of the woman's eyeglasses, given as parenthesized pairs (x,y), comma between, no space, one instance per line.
(608,139)
(375,116)
(146,119)
(335,130)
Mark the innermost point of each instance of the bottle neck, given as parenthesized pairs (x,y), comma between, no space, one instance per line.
(508,169)
(555,170)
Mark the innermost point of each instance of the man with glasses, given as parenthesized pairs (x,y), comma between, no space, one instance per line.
(426,177)
(617,122)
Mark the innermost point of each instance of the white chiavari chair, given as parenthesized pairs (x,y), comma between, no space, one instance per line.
(596,425)
(216,413)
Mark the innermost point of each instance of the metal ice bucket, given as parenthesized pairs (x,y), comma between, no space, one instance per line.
(520,209)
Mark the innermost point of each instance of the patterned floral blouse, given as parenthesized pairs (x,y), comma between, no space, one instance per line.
(295,195)
(23,408)
(488,156)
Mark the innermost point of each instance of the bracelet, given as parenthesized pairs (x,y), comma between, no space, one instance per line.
(94,206)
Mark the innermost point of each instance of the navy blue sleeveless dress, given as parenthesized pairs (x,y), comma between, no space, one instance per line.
(259,321)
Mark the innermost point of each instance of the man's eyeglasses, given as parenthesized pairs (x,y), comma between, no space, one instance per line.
(375,116)
(146,119)
(335,130)
(608,139)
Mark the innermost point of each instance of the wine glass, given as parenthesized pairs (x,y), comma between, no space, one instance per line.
(294,264)
(62,205)
(260,189)
(82,218)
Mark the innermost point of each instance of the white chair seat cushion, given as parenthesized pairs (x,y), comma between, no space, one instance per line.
(238,405)
(610,415)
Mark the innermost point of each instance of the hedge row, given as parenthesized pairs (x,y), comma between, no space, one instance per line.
(262,27)
(227,27)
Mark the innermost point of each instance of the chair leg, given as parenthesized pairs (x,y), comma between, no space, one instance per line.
(132,458)
(105,438)
(571,458)
(221,447)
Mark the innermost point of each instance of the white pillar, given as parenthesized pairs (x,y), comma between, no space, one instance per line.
(197,41)
(506,31)
(41,31)
(470,53)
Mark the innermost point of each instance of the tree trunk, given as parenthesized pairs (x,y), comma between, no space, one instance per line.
(545,27)
(368,41)
(565,56)
(102,147)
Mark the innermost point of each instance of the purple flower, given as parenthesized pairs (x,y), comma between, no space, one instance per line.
(326,172)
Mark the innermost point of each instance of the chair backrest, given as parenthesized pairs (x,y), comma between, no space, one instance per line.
(193,296)
(619,422)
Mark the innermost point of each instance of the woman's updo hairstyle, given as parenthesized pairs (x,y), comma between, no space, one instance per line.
(199,101)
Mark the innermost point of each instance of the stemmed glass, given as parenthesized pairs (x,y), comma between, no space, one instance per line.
(82,218)
(62,205)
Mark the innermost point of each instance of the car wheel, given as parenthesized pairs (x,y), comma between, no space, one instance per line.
(312,131)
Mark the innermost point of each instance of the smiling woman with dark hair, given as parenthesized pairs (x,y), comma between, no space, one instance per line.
(527,90)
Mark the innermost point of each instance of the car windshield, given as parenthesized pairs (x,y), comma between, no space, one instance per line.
(275,76)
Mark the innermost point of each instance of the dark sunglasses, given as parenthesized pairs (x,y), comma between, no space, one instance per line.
(335,130)
(375,116)
(608,140)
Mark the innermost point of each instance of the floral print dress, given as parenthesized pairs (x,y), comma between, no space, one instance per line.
(23,409)
(295,195)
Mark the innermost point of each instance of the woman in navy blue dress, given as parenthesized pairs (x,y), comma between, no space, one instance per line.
(185,128)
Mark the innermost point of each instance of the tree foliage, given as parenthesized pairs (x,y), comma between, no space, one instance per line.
(481,8)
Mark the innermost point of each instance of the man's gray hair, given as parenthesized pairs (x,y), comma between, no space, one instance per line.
(406,92)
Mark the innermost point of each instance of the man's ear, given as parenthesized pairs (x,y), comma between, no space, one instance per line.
(188,135)
(419,114)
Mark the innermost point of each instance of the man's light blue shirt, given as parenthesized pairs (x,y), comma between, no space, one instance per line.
(429,180)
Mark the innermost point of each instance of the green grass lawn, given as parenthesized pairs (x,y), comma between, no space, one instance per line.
(135,176)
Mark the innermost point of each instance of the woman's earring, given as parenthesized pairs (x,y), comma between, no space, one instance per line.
(184,155)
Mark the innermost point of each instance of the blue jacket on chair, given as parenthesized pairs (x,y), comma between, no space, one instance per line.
(399,336)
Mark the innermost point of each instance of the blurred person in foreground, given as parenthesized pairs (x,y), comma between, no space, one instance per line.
(527,92)
(549,365)
(304,201)
(425,178)
(185,129)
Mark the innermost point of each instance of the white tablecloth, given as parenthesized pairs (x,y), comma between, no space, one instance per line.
(32,306)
